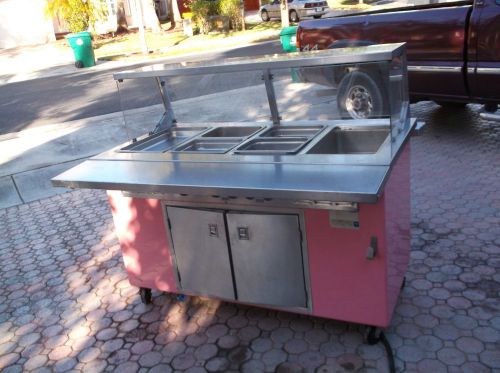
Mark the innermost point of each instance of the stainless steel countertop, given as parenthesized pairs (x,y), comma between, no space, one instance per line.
(282,181)
(371,53)
(280,177)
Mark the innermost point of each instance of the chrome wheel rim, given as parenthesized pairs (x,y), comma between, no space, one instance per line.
(359,102)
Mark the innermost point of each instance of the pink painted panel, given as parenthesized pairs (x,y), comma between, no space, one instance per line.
(397,215)
(143,239)
(345,284)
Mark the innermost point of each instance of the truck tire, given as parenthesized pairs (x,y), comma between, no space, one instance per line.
(359,96)
(264,15)
(294,17)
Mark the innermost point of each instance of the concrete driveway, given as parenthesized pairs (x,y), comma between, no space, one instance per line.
(66,304)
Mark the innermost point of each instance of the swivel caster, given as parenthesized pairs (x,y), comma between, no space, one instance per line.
(371,335)
(374,335)
(145,294)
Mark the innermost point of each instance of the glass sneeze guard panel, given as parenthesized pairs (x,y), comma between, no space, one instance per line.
(342,112)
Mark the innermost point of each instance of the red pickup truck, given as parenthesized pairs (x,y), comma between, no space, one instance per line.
(453,49)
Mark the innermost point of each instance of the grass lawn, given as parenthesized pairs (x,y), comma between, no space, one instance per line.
(167,43)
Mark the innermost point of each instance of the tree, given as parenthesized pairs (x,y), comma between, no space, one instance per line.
(79,15)
(174,13)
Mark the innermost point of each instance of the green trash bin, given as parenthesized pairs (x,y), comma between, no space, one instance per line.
(288,38)
(81,43)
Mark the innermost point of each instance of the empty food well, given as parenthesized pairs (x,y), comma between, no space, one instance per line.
(350,141)
(233,131)
(272,146)
(292,131)
(163,141)
(207,146)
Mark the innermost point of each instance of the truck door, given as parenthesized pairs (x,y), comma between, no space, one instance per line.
(484,51)
(435,40)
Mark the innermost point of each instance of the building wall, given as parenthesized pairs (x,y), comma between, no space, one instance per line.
(23,22)
(131,12)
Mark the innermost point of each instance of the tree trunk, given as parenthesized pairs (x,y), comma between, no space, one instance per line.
(121,18)
(140,24)
(285,22)
(150,17)
(174,14)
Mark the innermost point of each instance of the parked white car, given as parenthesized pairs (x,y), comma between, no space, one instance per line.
(297,9)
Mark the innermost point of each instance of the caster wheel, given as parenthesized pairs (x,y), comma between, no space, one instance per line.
(145,294)
(372,335)
(79,64)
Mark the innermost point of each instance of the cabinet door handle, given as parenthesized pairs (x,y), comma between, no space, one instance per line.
(212,230)
(243,233)
(372,249)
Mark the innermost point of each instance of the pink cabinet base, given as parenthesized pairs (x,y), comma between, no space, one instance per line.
(344,284)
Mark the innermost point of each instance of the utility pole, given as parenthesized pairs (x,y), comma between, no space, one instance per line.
(285,21)
(140,23)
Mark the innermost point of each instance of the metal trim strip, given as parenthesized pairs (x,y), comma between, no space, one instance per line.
(488,70)
(435,69)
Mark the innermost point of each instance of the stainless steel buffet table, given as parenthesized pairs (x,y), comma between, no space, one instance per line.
(307,212)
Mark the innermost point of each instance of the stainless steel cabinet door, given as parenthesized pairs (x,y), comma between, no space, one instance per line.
(267,259)
(201,251)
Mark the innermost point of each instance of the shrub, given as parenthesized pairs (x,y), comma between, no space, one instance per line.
(79,15)
(201,10)
(232,9)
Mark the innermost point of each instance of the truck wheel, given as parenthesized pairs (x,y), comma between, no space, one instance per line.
(264,15)
(294,17)
(359,96)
